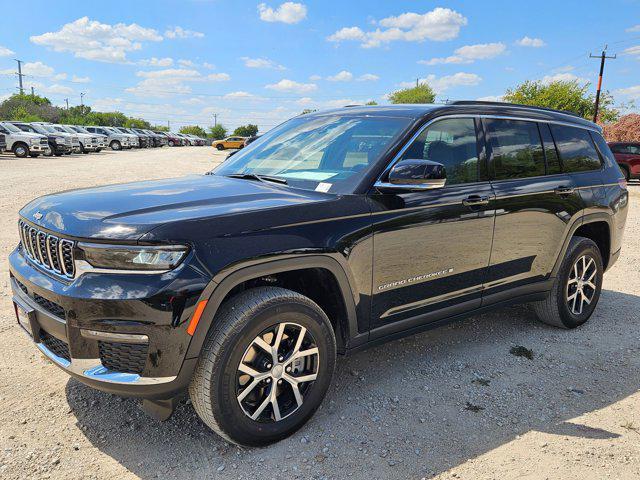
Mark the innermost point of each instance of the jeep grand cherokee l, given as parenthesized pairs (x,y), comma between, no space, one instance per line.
(336,231)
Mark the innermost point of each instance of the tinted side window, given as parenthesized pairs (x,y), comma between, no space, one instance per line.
(516,149)
(451,142)
(618,148)
(576,149)
(550,152)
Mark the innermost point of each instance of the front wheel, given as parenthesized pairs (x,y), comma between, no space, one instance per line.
(34,155)
(220,146)
(576,288)
(20,150)
(265,366)
(115,145)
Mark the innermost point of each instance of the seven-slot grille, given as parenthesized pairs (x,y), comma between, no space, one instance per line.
(44,141)
(48,251)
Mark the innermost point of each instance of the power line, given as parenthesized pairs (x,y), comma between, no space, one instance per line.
(603,56)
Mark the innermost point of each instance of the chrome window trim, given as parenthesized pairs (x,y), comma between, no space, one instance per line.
(477,116)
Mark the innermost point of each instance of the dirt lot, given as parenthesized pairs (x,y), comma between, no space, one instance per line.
(452,402)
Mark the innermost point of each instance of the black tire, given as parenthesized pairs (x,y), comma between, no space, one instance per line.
(214,386)
(220,146)
(555,309)
(171,143)
(98,150)
(49,151)
(34,155)
(20,150)
(115,145)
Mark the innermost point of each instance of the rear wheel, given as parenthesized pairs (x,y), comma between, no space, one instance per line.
(220,146)
(576,289)
(20,150)
(265,366)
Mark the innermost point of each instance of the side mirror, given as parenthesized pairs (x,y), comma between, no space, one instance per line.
(414,174)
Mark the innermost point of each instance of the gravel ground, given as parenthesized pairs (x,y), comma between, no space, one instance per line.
(450,403)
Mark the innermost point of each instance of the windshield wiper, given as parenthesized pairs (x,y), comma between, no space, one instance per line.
(261,178)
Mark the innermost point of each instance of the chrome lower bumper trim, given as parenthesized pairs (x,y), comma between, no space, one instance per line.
(94,370)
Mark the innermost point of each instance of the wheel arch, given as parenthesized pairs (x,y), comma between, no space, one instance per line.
(590,226)
(226,284)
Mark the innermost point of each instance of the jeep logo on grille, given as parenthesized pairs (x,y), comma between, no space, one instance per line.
(37,215)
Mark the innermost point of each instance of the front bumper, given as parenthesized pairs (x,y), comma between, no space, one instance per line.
(61,148)
(38,147)
(78,325)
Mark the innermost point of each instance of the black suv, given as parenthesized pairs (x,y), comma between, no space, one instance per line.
(332,232)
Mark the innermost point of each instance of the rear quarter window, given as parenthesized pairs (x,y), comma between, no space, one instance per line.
(576,149)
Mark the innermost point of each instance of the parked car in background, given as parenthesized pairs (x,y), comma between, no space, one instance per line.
(628,157)
(102,139)
(58,130)
(3,143)
(250,140)
(116,139)
(158,140)
(172,139)
(229,142)
(58,144)
(88,141)
(183,139)
(22,143)
(145,140)
(135,140)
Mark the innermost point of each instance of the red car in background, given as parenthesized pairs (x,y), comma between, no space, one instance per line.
(628,157)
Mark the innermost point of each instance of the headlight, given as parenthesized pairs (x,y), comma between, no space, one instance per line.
(123,257)
(34,141)
(59,139)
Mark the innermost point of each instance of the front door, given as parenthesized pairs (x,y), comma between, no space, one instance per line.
(432,248)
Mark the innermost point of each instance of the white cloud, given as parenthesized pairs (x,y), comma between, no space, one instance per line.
(57,89)
(368,77)
(93,40)
(632,50)
(37,69)
(343,76)
(288,12)
(490,98)
(156,62)
(470,53)
(5,52)
(186,63)
(315,78)
(304,101)
(262,63)
(209,66)
(60,76)
(179,32)
(76,79)
(437,25)
(193,101)
(635,28)
(531,42)
(562,77)
(218,77)
(633,93)
(286,85)
(170,81)
(239,95)
(441,84)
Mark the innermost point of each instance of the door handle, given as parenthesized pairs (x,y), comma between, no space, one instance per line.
(564,190)
(475,200)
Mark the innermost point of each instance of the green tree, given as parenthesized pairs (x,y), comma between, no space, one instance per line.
(249,130)
(371,102)
(159,128)
(193,130)
(307,110)
(571,96)
(218,132)
(421,93)
(136,123)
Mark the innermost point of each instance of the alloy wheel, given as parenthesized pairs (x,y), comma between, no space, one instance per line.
(276,372)
(581,287)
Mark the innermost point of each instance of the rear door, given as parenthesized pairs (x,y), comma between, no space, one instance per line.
(432,247)
(535,205)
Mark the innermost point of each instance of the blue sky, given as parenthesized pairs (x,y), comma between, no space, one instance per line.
(253,62)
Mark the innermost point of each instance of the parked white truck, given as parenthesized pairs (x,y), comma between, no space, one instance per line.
(23,144)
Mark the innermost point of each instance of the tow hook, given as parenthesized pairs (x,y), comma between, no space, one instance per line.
(161,410)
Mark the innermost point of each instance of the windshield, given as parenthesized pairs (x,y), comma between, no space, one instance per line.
(11,127)
(47,128)
(323,153)
(80,130)
(64,128)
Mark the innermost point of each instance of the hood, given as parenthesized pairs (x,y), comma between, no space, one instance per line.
(128,211)
(29,134)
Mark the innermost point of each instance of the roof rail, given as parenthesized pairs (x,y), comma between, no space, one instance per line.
(507,104)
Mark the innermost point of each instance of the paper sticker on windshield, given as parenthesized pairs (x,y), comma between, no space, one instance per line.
(323,187)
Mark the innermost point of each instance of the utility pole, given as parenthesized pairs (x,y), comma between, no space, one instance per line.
(67,102)
(20,75)
(417,80)
(169,125)
(603,56)
(33,94)
(82,94)
(215,119)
